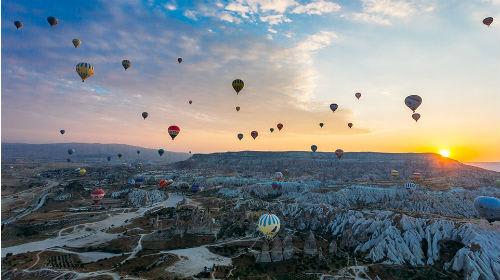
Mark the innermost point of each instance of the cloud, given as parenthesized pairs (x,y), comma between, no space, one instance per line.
(370,18)
(317,8)
(171,6)
(190,14)
(383,11)
(274,19)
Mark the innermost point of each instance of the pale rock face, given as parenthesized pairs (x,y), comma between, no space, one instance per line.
(139,198)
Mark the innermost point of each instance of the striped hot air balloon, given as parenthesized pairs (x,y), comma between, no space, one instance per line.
(84,70)
(238,85)
(173,131)
(269,225)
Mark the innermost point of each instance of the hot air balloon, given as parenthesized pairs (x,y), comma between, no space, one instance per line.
(413,102)
(82,171)
(314,148)
(358,95)
(278,176)
(97,195)
(269,225)
(339,153)
(145,115)
(161,152)
(62,131)
(415,116)
(126,64)
(349,125)
(488,21)
(138,152)
(179,60)
(488,207)
(190,102)
(254,134)
(108,158)
(84,70)
(119,155)
(279,126)
(165,183)
(271,129)
(394,173)
(71,151)
(18,24)
(76,42)
(240,136)
(238,85)
(321,124)
(334,107)
(237,108)
(52,21)
(173,131)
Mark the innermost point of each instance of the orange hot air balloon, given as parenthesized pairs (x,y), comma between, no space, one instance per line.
(350,125)
(173,131)
(358,95)
(279,126)
(416,116)
(339,153)
(254,134)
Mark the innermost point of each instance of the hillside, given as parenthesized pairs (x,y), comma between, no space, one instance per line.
(362,166)
(84,152)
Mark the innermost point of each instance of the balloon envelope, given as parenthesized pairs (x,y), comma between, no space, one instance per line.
(126,64)
(269,225)
(488,207)
(350,125)
(82,171)
(415,116)
(190,101)
(358,95)
(237,108)
(314,148)
(488,21)
(339,153)
(413,102)
(254,134)
(321,124)
(173,131)
(334,107)
(161,152)
(84,70)
(179,59)
(271,129)
(119,155)
(240,136)
(279,126)
(52,21)
(145,115)
(18,24)
(238,85)
(71,151)
(76,42)
(62,131)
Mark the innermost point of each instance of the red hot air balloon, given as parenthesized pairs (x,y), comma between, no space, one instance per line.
(488,21)
(173,131)
(254,134)
(240,136)
(279,126)
(97,195)
(165,183)
(339,153)
(358,95)
(349,125)
(415,116)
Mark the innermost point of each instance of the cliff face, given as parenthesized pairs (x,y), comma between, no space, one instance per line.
(368,167)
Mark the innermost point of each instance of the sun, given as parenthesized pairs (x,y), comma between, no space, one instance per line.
(444,152)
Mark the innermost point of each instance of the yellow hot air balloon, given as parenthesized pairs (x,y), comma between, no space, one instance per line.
(82,171)
(269,225)
(84,70)
(394,173)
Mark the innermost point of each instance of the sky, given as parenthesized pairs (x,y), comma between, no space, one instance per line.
(296,57)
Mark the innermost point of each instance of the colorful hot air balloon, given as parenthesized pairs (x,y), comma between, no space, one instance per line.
(269,225)
(179,60)
(488,207)
(394,173)
(119,155)
(314,148)
(278,176)
(349,125)
(76,42)
(339,153)
(82,171)
(271,129)
(126,64)
(84,70)
(52,21)
(97,195)
(71,151)
(108,158)
(334,107)
(358,95)
(488,21)
(62,131)
(254,134)
(240,136)
(165,183)
(413,102)
(238,85)
(279,126)
(18,24)
(173,131)
(161,152)
(237,108)
(145,115)
(321,124)
(190,102)
(415,116)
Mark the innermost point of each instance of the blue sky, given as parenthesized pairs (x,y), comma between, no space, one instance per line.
(296,57)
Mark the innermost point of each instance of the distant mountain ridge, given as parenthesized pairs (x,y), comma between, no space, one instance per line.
(84,152)
(354,166)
